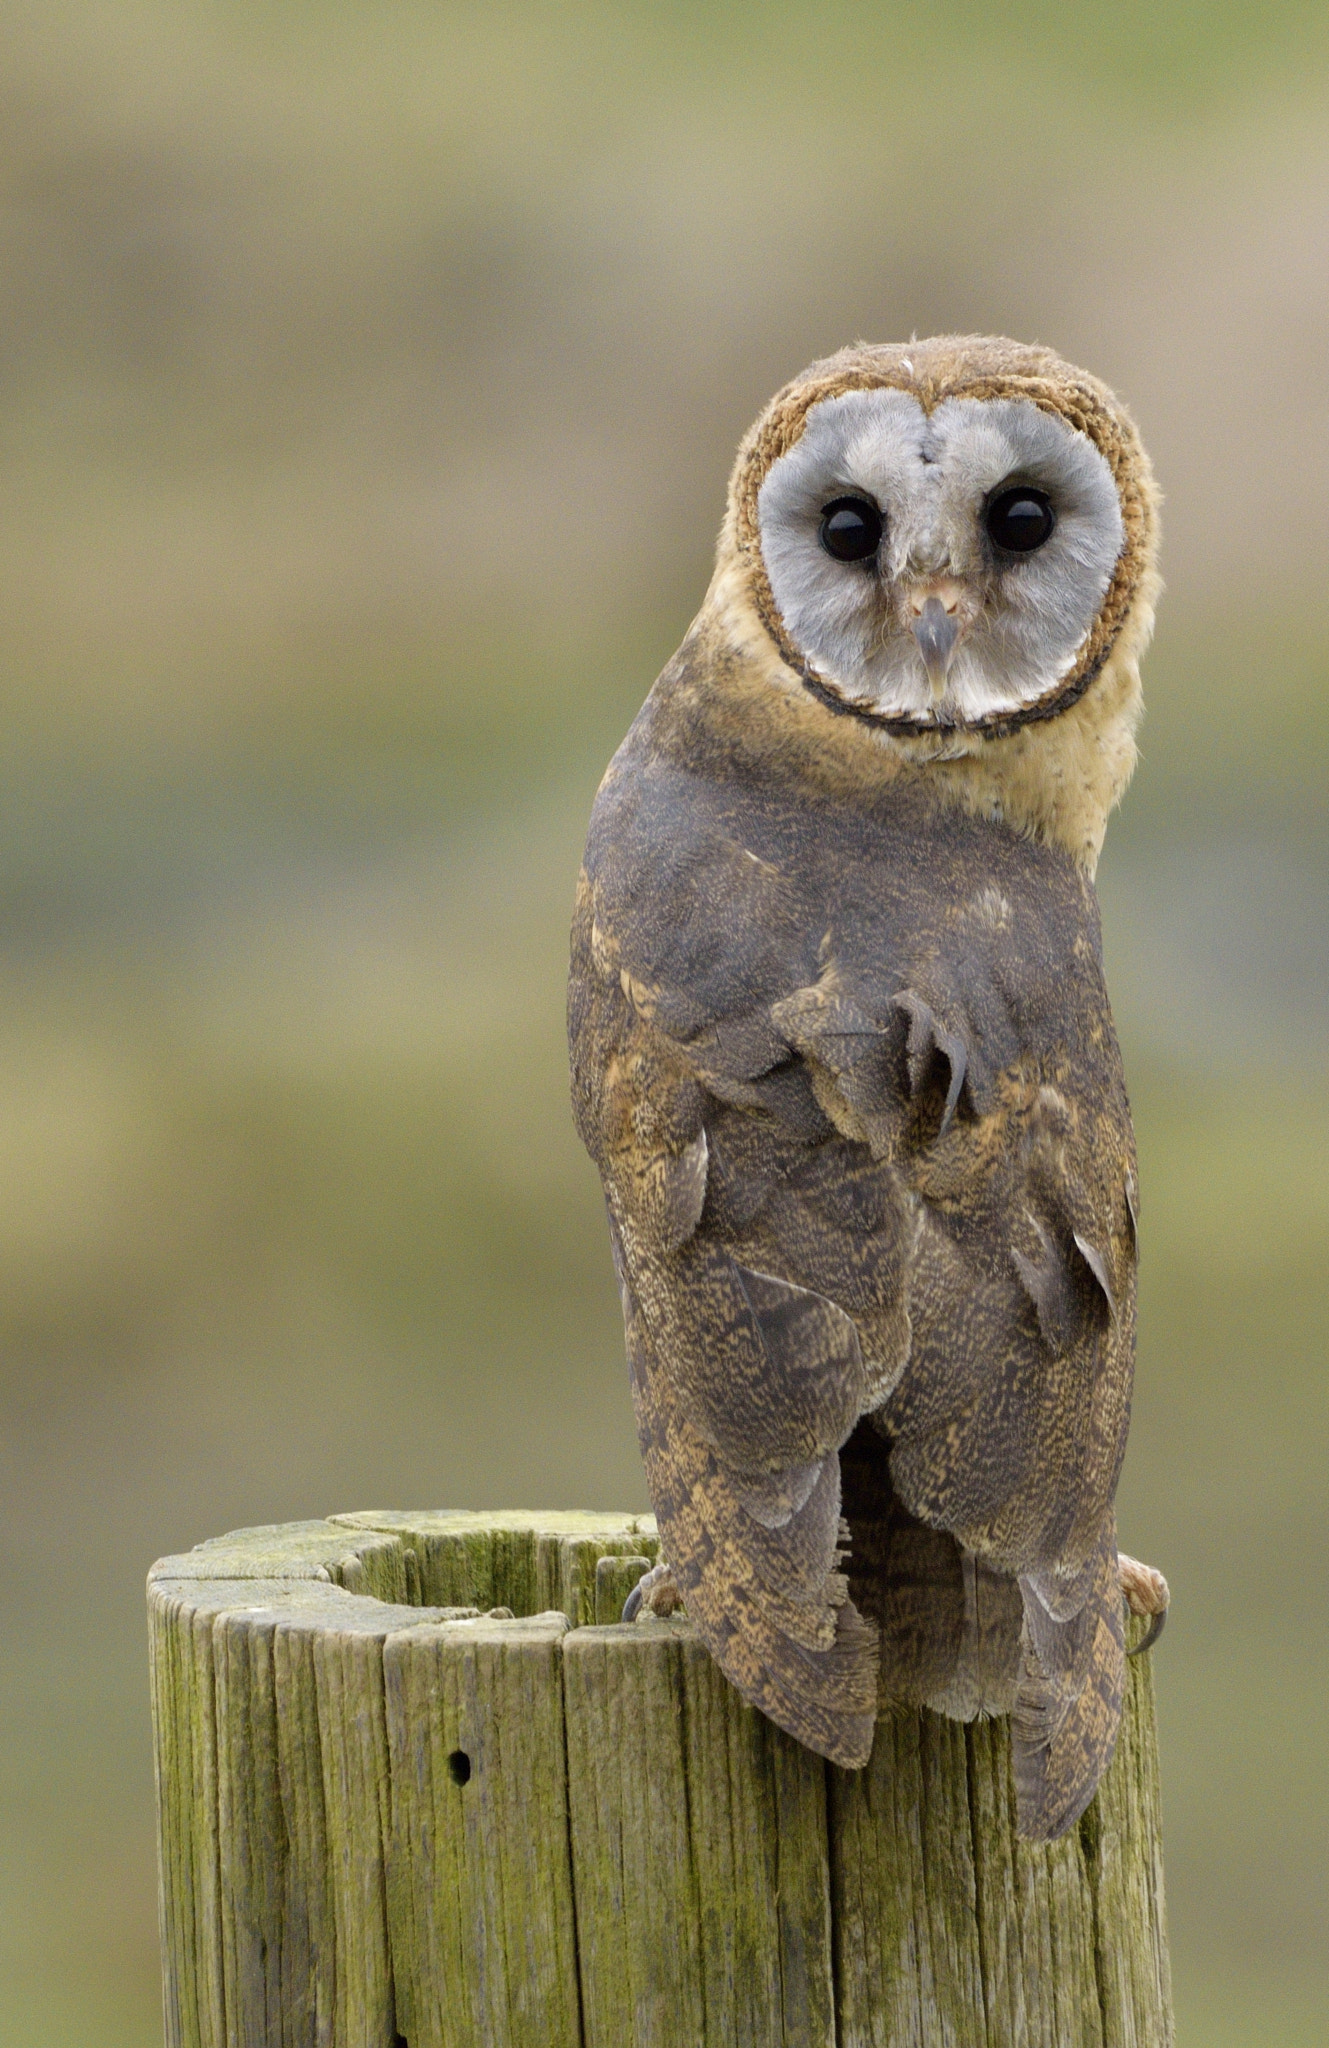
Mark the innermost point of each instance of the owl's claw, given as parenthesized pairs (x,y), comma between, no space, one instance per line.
(632,1605)
(1145,1592)
(656,1591)
(1150,1636)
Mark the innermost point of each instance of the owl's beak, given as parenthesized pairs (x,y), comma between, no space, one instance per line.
(936,630)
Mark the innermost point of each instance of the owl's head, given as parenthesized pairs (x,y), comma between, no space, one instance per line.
(946,537)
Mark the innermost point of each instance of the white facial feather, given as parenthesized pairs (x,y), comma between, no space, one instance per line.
(1024,617)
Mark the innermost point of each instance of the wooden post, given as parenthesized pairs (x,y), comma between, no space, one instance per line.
(416,1787)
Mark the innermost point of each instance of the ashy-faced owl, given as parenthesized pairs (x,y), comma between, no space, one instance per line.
(842,1052)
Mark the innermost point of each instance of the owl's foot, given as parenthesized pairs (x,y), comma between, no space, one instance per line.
(655,1592)
(1145,1592)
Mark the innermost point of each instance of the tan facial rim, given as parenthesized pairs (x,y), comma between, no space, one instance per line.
(959,367)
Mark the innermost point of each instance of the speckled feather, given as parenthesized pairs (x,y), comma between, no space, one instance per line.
(843,1054)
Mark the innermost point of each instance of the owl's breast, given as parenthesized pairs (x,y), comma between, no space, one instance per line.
(893,945)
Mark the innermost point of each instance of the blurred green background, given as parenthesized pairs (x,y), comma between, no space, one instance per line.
(369,377)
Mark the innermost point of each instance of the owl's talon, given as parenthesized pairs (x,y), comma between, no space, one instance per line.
(1150,1636)
(1145,1592)
(656,1591)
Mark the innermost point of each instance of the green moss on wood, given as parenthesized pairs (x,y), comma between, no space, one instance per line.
(699,1852)
(481,1884)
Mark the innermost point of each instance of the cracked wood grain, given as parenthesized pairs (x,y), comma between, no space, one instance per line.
(699,1853)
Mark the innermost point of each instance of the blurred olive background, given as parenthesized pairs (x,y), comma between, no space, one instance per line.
(369,378)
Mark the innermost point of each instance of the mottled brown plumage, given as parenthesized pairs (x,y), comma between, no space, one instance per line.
(843,1054)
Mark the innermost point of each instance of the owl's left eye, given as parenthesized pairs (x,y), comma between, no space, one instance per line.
(851,529)
(1020,519)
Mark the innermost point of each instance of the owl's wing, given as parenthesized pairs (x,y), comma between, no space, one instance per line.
(747,1375)
(755,1541)
(1006,1114)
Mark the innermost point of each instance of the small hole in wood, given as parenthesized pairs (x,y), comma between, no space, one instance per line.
(459,1767)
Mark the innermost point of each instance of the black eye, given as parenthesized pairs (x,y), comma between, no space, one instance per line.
(1020,519)
(850,529)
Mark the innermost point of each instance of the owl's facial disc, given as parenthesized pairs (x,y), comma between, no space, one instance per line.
(943,568)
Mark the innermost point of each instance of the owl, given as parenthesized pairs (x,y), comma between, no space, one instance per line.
(842,1052)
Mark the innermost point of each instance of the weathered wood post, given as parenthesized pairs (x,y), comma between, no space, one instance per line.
(416,1786)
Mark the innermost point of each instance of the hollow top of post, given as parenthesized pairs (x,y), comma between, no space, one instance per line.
(528,1560)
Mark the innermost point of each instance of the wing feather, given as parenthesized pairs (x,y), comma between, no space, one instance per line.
(1068,1704)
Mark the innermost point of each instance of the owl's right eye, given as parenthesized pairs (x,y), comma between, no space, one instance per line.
(851,529)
